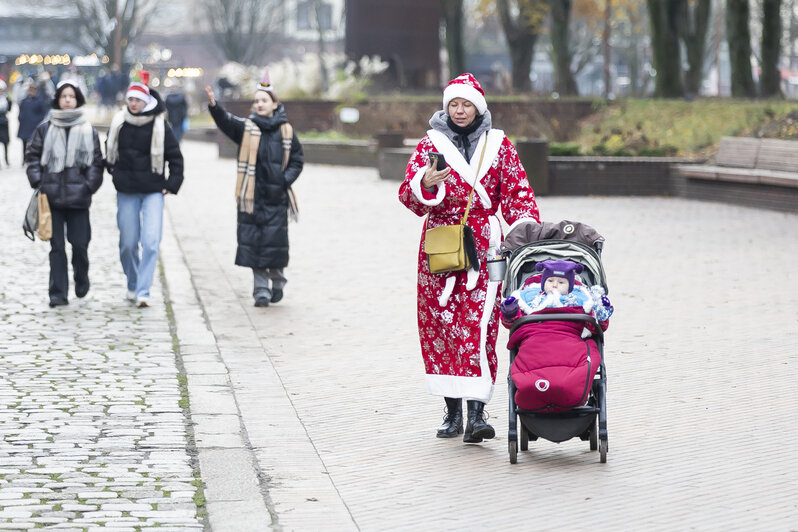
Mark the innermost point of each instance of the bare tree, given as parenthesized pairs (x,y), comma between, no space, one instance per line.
(738,35)
(770,83)
(664,18)
(560,36)
(694,19)
(522,21)
(242,29)
(452,11)
(110,26)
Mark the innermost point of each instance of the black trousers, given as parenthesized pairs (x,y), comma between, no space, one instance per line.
(78,233)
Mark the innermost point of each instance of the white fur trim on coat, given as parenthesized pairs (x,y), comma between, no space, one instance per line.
(468,171)
(416,187)
(470,388)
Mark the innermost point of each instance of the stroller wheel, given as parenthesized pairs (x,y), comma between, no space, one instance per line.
(594,436)
(513,447)
(524,439)
(603,451)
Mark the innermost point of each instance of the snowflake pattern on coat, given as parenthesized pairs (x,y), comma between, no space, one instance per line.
(451,335)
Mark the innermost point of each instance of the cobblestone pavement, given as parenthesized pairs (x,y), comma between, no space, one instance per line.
(328,384)
(94,435)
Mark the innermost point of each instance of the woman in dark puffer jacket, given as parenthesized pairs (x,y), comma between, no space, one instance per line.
(64,160)
(267,166)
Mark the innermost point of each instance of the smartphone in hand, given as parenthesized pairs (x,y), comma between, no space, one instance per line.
(437,160)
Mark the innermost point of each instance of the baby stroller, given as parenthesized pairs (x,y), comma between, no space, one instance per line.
(524,247)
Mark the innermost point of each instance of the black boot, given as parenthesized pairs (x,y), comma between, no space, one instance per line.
(477,428)
(453,422)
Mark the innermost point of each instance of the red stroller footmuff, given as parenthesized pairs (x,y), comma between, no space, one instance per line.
(554,368)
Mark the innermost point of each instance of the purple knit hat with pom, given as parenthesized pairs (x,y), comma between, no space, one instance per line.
(559,268)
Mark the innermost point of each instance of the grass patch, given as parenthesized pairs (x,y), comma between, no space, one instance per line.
(674,127)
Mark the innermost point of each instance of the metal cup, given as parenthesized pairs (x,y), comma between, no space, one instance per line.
(496,269)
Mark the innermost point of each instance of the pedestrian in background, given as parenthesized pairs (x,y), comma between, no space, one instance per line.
(32,110)
(5,107)
(177,111)
(458,312)
(269,161)
(140,143)
(65,162)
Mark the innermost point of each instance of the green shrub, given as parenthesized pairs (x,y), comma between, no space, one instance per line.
(564,149)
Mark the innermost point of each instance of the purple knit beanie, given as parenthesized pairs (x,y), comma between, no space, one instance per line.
(559,268)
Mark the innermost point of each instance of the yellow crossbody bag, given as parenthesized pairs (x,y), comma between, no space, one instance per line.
(444,245)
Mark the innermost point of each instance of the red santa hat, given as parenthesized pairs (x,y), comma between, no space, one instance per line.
(465,86)
(138,87)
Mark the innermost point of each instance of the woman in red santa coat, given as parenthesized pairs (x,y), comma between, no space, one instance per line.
(458,313)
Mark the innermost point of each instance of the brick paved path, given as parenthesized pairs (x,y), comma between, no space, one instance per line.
(92,430)
(329,388)
(312,415)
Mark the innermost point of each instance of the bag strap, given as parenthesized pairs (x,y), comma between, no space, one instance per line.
(471,196)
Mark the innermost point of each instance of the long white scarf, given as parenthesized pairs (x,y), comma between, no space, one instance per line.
(61,150)
(156,144)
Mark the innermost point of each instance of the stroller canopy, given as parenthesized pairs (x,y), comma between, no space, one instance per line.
(530,231)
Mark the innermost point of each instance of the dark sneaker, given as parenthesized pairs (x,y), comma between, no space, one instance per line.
(58,302)
(277,295)
(262,302)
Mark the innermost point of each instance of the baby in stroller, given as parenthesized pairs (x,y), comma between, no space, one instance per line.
(556,360)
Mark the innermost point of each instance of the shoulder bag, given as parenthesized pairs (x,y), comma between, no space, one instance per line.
(446,246)
(31,221)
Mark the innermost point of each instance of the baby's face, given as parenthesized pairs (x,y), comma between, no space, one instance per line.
(556,284)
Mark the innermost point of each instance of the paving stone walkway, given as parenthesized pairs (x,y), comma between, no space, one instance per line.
(340,431)
(312,415)
(93,429)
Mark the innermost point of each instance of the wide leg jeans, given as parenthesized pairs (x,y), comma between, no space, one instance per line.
(140,221)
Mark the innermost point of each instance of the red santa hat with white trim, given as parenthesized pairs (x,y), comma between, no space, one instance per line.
(465,86)
(138,87)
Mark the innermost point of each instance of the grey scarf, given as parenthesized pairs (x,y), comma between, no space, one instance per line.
(438,123)
(62,150)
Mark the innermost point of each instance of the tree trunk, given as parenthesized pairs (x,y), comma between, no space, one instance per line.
(739,38)
(770,84)
(663,15)
(521,37)
(694,23)
(564,82)
(453,21)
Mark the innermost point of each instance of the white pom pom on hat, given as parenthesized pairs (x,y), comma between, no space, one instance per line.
(465,86)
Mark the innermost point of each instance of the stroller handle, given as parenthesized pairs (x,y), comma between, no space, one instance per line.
(536,318)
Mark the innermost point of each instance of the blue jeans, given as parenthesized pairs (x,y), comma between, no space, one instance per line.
(140,221)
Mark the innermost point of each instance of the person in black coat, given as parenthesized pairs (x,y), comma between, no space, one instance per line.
(177,111)
(65,162)
(262,188)
(32,110)
(5,106)
(139,146)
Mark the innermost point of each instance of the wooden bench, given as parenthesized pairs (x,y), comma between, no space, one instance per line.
(749,160)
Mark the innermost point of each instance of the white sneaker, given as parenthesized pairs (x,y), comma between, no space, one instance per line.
(142,302)
(130,295)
